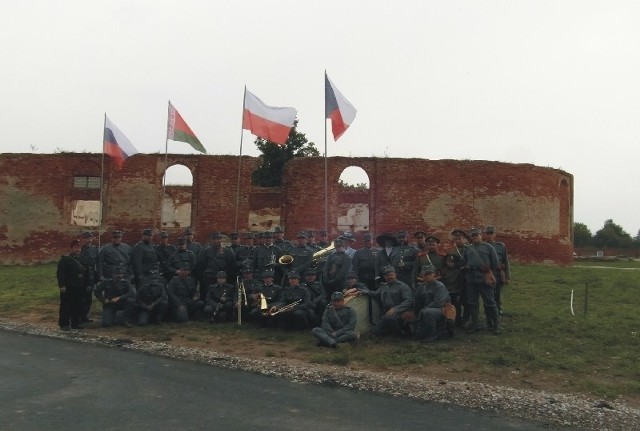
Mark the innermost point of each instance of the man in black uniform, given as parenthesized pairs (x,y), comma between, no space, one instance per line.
(72,281)
(143,257)
(388,250)
(117,253)
(89,258)
(164,250)
(184,298)
(294,303)
(364,262)
(116,294)
(220,299)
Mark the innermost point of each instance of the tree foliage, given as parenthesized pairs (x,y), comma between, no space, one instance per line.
(582,236)
(612,236)
(353,187)
(275,156)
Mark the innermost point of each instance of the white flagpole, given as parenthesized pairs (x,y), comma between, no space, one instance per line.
(326,193)
(166,163)
(104,127)
(244,98)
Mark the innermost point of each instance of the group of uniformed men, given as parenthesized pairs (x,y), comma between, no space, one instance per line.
(297,284)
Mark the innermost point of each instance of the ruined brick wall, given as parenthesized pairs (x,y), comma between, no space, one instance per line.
(531,206)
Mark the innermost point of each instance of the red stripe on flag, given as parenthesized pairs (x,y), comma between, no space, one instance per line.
(265,129)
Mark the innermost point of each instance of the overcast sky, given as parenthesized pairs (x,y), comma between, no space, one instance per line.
(553,83)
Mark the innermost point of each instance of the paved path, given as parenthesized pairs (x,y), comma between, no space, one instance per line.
(49,384)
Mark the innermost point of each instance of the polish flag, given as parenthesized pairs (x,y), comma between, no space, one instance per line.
(115,144)
(337,108)
(272,123)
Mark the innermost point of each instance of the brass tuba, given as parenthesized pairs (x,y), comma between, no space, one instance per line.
(321,255)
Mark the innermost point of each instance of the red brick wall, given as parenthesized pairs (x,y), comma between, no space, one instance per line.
(531,206)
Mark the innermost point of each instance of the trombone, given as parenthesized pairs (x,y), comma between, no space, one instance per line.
(283,309)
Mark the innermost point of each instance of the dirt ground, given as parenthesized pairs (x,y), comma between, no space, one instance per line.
(202,336)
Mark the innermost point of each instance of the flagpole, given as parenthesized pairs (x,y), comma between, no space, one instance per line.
(326,193)
(104,127)
(166,163)
(244,98)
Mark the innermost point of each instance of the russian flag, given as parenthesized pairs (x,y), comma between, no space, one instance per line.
(267,122)
(337,108)
(116,145)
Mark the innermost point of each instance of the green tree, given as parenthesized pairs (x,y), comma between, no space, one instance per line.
(612,236)
(582,236)
(275,156)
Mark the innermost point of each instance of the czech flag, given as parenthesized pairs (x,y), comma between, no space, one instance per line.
(116,145)
(337,108)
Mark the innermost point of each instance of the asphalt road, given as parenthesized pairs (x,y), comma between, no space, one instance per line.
(51,384)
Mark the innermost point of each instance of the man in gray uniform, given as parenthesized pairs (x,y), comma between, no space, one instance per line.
(220,299)
(364,262)
(395,298)
(302,254)
(143,257)
(481,262)
(184,298)
(503,276)
(89,258)
(211,261)
(336,268)
(116,294)
(404,259)
(114,254)
(318,294)
(180,257)
(164,250)
(192,246)
(152,302)
(296,316)
(429,298)
(338,323)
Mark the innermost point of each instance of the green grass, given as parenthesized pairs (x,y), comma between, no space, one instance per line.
(592,352)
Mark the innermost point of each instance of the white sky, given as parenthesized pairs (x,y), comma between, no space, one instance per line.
(553,83)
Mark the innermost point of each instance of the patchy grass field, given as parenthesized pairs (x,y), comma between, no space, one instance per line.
(543,346)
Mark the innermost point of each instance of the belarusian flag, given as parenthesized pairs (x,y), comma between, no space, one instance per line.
(272,123)
(178,130)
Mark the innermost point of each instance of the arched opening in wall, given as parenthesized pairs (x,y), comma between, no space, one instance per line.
(176,202)
(353,200)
